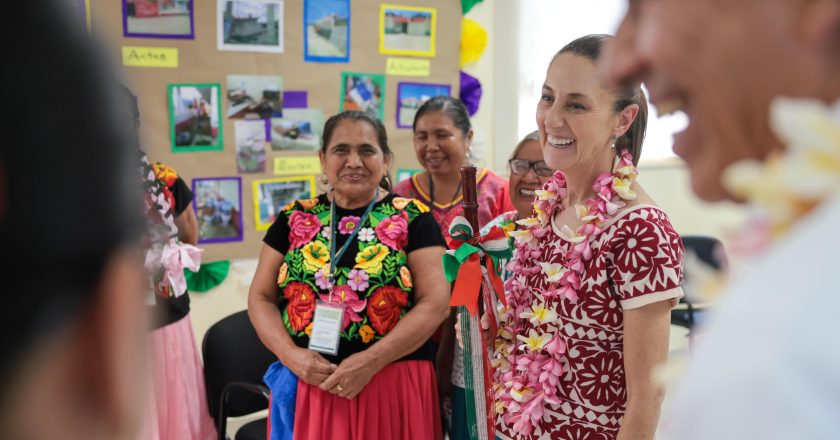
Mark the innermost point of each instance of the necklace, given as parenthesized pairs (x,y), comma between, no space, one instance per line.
(789,185)
(432,192)
(528,368)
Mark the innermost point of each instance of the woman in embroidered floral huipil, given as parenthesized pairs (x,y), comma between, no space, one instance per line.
(442,138)
(595,272)
(381,383)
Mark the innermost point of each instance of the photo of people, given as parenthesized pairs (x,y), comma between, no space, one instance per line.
(194,117)
(158,18)
(250,146)
(410,96)
(363,92)
(218,209)
(327,30)
(250,25)
(298,129)
(254,96)
(407,30)
(271,195)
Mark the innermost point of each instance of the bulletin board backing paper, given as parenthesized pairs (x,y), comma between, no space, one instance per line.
(201,62)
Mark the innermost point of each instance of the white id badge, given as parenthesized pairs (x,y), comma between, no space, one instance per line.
(326,328)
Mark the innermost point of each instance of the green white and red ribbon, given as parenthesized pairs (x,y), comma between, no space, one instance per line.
(476,283)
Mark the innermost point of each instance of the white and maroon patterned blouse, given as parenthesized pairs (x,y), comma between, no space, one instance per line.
(636,261)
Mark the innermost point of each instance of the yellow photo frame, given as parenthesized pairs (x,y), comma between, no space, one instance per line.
(272,195)
(407,30)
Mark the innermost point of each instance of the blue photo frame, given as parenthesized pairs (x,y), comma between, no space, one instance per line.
(330,26)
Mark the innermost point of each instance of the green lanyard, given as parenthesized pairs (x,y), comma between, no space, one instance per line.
(334,231)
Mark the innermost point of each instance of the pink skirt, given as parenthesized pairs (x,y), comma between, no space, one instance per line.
(399,403)
(178,408)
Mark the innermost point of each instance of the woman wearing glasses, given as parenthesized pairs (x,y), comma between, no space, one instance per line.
(528,172)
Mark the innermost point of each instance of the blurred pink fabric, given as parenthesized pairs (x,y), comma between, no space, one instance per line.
(178,408)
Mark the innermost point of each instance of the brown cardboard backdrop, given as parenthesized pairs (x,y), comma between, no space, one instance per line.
(201,62)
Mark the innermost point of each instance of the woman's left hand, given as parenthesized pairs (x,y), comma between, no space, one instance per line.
(351,376)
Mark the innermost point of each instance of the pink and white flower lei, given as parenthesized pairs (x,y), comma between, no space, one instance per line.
(528,367)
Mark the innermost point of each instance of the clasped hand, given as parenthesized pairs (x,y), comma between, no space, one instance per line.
(347,379)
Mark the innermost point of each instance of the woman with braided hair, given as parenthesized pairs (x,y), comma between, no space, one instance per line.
(178,404)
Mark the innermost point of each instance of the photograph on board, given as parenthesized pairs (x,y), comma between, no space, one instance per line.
(218,209)
(298,129)
(326,25)
(158,19)
(254,96)
(406,173)
(410,96)
(250,25)
(194,111)
(250,145)
(271,195)
(407,30)
(363,92)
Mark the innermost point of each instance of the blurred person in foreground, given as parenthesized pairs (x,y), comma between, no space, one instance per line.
(762,129)
(72,349)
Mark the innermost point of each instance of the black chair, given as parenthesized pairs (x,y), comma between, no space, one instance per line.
(710,251)
(234,363)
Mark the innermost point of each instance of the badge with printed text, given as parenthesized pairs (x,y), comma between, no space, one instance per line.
(326,328)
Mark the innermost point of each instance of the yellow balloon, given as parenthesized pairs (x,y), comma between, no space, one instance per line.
(473,41)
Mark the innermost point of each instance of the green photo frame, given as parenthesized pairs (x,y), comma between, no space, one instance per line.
(406,173)
(195,117)
(364,92)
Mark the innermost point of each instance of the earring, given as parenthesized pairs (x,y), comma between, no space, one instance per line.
(613,143)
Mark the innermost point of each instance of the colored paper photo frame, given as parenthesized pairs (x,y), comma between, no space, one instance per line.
(139,13)
(410,96)
(328,39)
(216,216)
(407,30)
(265,211)
(364,92)
(188,117)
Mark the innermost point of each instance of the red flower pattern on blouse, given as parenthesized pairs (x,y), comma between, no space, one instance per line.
(384,308)
(601,378)
(303,227)
(301,304)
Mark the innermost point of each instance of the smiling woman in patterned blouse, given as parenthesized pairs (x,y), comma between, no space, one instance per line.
(595,273)
(378,257)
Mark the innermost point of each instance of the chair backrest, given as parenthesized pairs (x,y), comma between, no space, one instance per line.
(233,353)
(708,250)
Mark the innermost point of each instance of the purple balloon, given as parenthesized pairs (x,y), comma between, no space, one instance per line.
(470,92)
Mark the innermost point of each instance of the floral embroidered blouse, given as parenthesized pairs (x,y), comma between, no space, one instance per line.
(636,261)
(493,199)
(372,279)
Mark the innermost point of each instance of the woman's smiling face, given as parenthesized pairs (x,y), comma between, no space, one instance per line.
(575,115)
(523,185)
(441,146)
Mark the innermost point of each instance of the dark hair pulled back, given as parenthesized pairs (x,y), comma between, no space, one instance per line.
(357,116)
(590,46)
(451,107)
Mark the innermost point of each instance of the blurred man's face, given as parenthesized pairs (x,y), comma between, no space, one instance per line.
(718,61)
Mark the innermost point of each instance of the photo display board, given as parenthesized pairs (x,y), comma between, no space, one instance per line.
(243,89)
